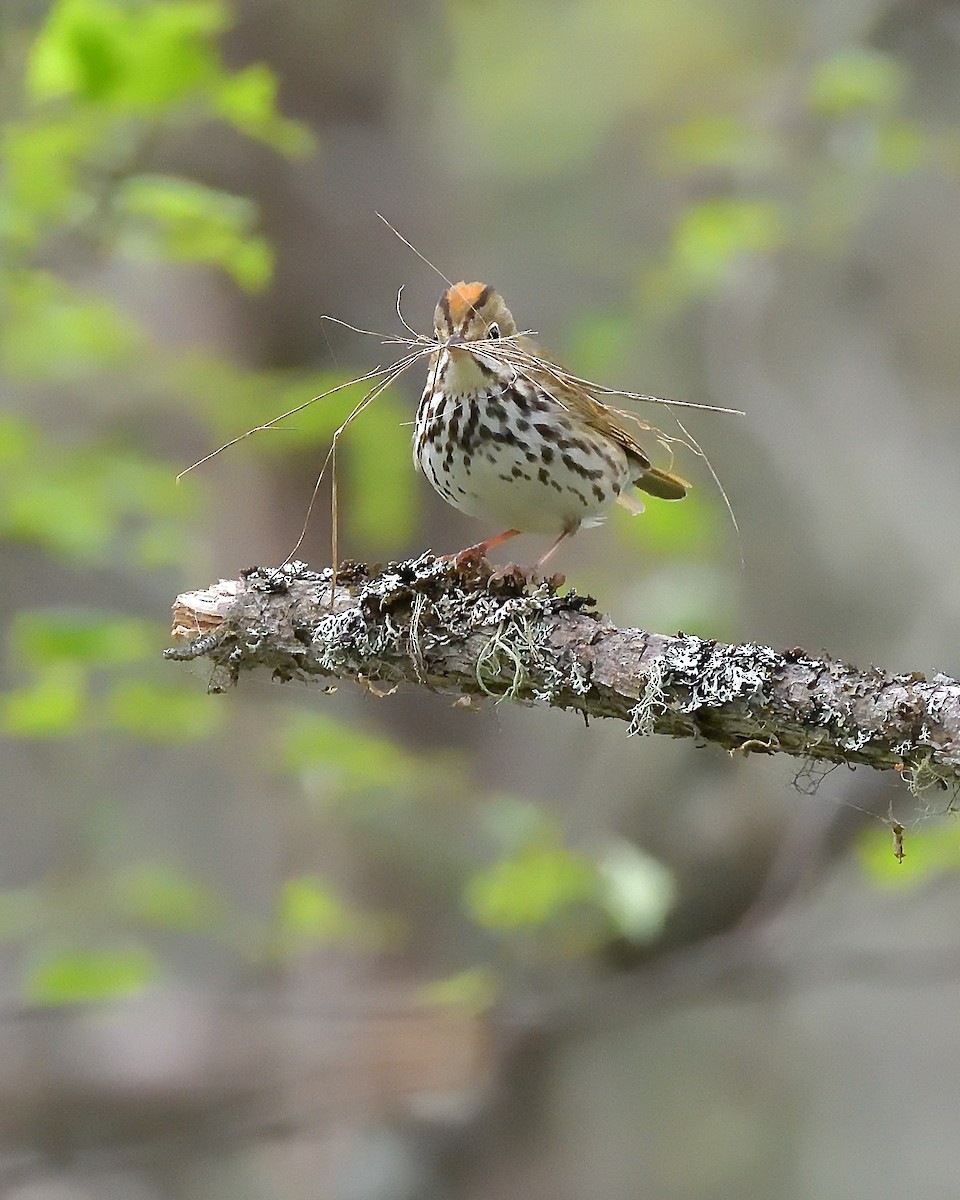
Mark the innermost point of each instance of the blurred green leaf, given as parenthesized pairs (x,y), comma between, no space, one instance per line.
(53,511)
(163,544)
(53,705)
(315,424)
(158,895)
(39,184)
(179,220)
(161,712)
(689,527)
(41,637)
(85,976)
(531,888)
(309,909)
(234,401)
(716,140)
(19,441)
(77,502)
(53,331)
(378,496)
(310,914)
(708,238)
(928,850)
(133,56)
(853,80)
(350,758)
(247,100)
(599,342)
(511,823)
(638,891)
(475,990)
(901,147)
(156,60)
(710,235)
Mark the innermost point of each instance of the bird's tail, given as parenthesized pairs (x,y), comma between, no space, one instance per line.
(662,484)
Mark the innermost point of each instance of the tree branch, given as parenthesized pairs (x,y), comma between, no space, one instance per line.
(472,630)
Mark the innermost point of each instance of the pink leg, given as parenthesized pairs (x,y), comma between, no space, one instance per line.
(480,549)
(556,546)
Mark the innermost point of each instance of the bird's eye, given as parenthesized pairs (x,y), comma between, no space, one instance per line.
(493,332)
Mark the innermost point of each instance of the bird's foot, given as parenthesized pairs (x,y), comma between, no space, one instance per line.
(476,554)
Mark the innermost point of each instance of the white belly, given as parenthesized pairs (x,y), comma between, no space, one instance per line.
(522,479)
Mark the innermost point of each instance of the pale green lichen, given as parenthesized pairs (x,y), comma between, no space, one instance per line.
(643,715)
(921,774)
(512,642)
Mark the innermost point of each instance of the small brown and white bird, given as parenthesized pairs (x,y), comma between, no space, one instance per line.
(503,432)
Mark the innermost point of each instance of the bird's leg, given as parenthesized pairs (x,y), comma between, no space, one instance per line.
(532,574)
(556,546)
(479,551)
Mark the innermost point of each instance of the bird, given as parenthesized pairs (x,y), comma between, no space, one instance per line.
(505,433)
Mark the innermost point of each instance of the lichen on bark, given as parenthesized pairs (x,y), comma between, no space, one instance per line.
(470,629)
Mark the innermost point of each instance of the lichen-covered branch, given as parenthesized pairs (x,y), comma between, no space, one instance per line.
(472,630)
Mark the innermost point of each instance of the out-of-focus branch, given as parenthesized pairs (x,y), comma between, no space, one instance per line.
(471,630)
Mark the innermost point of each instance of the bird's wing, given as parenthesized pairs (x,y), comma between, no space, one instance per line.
(576,399)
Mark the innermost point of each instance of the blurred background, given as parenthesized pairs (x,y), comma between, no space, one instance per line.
(291,944)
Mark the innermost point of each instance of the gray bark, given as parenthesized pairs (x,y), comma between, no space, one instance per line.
(471,630)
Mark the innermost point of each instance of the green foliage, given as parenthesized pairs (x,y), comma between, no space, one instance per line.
(155,61)
(130,907)
(311,915)
(692,527)
(902,147)
(161,712)
(39,186)
(53,331)
(103,81)
(638,892)
(309,909)
(711,235)
(853,81)
(54,704)
(77,976)
(772,185)
(247,99)
(510,120)
(540,886)
(599,342)
(475,990)
(537,884)
(377,459)
(68,653)
(42,638)
(135,57)
(342,758)
(79,502)
(100,80)
(182,221)
(716,140)
(159,896)
(376,485)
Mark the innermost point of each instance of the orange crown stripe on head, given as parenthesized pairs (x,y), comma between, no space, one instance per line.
(462,297)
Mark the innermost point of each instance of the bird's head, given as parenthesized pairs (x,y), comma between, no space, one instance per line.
(472,312)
